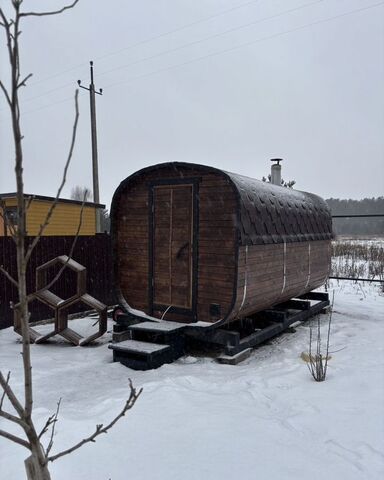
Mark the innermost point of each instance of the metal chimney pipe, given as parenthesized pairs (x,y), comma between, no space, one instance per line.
(276,171)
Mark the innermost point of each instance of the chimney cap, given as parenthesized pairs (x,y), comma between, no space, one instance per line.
(278,160)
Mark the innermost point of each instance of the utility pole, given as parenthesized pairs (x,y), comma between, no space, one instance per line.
(95,168)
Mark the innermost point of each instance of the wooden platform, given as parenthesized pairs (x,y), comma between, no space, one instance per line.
(254,330)
(146,345)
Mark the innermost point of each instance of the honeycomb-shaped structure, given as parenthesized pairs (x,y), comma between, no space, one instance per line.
(60,306)
(43,291)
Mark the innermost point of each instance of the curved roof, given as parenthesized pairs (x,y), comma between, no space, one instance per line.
(267,213)
(274,214)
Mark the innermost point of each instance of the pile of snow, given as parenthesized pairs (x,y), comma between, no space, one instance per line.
(196,419)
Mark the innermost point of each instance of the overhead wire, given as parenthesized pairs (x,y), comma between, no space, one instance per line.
(236,47)
(66,99)
(151,39)
(209,37)
(188,44)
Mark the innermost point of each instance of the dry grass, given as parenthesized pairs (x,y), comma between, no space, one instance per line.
(358,259)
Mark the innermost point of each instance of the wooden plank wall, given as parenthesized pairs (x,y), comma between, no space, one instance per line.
(263,266)
(217,247)
(94,252)
(216,241)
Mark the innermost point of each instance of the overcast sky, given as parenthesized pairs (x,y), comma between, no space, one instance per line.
(227,83)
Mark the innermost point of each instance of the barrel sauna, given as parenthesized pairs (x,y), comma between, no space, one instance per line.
(192,243)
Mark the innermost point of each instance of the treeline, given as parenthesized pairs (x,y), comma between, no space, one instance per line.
(357,226)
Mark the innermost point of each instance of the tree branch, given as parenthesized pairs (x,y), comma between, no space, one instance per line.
(53,205)
(62,268)
(6,94)
(22,83)
(134,395)
(6,415)
(8,276)
(15,439)
(11,396)
(53,422)
(13,418)
(30,200)
(2,397)
(44,14)
(6,25)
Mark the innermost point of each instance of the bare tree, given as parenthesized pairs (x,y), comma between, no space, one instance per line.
(84,194)
(80,193)
(37,463)
(288,184)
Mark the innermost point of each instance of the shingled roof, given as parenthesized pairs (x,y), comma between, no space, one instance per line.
(274,214)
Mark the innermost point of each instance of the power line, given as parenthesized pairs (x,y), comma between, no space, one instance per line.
(188,44)
(66,99)
(252,42)
(151,39)
(259,40)
(215,35)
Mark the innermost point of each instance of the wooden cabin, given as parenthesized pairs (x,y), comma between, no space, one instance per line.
(193,243)
(64,221)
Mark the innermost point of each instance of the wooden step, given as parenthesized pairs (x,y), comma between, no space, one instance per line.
(144,355)
(138,348)
(157,327)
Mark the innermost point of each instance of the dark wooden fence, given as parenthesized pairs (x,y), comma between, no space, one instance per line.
(94,252)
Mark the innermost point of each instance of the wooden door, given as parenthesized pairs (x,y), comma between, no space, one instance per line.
(172,247)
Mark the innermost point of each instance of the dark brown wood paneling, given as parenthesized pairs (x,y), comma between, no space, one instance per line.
(173,245)
(216,241)
(261,269)
(274,272)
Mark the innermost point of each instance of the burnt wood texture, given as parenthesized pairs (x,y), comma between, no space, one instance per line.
(194,243)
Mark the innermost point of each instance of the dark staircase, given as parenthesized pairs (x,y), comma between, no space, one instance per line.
(147,345)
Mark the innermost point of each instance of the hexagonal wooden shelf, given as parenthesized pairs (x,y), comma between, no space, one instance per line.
(60,306)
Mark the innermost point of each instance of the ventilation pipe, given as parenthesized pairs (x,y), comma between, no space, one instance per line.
(276,171)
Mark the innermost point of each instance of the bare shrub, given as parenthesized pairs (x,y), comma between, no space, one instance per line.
(317,359)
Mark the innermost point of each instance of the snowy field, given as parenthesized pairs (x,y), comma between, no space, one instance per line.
(357,258)
(262,419)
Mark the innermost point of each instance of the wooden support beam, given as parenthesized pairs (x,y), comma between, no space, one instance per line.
(295,305)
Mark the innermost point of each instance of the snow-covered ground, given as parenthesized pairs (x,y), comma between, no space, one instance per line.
(265,418)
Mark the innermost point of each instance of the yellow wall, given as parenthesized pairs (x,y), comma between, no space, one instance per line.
(64,220)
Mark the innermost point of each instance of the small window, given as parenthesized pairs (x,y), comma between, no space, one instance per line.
(10,216)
